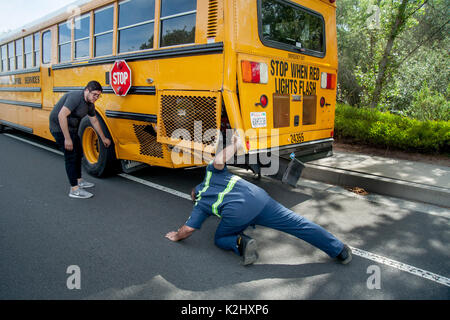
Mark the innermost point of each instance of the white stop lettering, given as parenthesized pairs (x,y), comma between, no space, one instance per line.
(120,78)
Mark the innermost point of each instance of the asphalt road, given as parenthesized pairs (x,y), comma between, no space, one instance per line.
(116,239)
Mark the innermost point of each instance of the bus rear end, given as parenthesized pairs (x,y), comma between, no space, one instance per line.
(286,57)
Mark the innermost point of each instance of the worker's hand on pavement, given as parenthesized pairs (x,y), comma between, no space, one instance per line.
(173,236)
(182,233)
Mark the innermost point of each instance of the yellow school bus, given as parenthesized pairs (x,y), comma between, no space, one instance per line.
(264,68)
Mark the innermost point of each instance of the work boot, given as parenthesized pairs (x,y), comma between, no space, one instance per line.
(345,256)
(247,249)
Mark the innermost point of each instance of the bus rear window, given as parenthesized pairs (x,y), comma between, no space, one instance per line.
(288,26)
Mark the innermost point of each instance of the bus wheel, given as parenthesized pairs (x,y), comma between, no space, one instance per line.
(98,160)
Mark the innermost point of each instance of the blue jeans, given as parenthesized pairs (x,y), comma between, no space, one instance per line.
(276,216)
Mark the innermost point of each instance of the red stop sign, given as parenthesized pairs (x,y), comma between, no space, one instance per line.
(120,78)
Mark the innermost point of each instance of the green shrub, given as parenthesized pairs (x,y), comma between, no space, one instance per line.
(429,105)
(388,130)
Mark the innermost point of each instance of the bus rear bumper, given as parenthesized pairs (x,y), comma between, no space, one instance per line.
(287,162)
(307,151)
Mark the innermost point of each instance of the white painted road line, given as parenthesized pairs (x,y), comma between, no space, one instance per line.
(401,266)
(34,144)
(357,252)
(156,186)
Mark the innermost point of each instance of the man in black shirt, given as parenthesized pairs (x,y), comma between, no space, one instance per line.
(64,123)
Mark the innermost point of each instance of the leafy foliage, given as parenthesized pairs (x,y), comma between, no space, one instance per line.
(388,130)
(417,69)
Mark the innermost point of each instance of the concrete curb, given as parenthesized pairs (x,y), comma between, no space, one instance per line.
(378,184)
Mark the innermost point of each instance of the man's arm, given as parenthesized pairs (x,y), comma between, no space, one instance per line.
(226,154)
(96,124)
(62,118)
(182,233)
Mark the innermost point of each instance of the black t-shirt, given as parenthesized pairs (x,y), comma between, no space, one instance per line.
(79,108)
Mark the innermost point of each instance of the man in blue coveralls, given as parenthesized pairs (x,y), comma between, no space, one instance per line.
(239,204)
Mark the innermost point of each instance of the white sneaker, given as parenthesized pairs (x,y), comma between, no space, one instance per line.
(80,194)
(84,184)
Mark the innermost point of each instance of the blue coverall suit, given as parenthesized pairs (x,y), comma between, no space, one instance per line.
(239,204)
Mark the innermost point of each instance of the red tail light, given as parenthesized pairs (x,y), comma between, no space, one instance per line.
(254,72)
(263,101)
(328,80)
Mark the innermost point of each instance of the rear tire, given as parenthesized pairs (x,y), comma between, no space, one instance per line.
(98,160)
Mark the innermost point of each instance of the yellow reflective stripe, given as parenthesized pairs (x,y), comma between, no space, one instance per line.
(229,187)
(207,179)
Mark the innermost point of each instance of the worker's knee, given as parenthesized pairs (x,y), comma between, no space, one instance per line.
(225,242)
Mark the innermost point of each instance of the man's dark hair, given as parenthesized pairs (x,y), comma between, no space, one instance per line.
(94,86)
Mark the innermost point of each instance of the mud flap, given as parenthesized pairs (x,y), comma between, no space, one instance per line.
(293,172)
(129,166)
(289,171)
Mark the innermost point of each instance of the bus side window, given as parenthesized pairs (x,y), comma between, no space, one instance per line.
(36,60)
(4,58)
(136,21)
(177,22)
(82,34)
(103,31)
(11,57)
(19,54)
(64,41)
(28,51)
(47,47)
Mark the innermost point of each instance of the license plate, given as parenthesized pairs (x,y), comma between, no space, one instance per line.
(259,119)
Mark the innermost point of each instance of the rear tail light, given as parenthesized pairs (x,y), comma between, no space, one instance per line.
(254,72)
(328,80)
(263,101)
(247,144)
(322,102)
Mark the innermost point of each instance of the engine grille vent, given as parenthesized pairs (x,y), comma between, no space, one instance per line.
(147,140)
(191,118)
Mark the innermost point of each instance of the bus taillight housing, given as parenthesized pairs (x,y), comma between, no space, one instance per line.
(328,80)
(254,72)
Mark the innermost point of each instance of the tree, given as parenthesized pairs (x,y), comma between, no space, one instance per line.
(397,26)
(383,64)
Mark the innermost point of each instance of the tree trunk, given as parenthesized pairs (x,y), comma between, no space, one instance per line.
(395,30)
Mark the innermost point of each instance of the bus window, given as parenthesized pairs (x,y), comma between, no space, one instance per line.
(28,46)
(36,50)
(136,23)
(64,41)
(47,47)
(82,34)
(177,22)
(103,31)
(291,27)
(11,57)
(4,58)
(19,54)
